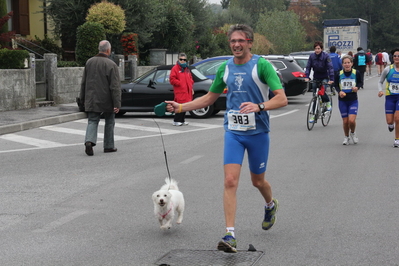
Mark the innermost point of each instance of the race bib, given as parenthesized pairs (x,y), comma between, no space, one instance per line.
(241,122)
(394,88)
(347,85)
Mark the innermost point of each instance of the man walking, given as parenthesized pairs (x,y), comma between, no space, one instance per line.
(100,91)
(360,61)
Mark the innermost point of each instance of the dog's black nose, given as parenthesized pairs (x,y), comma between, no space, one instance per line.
(161,200)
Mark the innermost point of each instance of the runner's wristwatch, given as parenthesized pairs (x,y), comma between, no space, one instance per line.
(261,106)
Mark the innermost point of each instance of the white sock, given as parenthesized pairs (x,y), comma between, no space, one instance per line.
(230,230)
(270,205)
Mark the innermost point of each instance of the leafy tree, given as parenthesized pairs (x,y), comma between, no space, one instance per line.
(88,35)
(111,16)
(176,31)
(6,36)
(309,17)
(283,29)
(260,45)
(3,10)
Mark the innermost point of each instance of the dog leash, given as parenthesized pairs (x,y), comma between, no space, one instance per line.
(164,151)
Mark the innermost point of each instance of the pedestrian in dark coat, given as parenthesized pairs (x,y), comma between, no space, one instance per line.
(101,93)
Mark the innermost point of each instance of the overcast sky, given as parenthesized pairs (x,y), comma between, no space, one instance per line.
(214,2)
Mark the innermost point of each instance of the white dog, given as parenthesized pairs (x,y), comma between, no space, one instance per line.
(167,201)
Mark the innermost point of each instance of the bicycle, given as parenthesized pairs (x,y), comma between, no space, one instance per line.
(317,108)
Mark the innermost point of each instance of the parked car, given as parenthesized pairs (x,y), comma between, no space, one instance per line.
(293,75)
(152,88)
(302,61)
(210,66)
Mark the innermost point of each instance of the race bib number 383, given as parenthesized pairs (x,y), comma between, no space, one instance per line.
(241,122)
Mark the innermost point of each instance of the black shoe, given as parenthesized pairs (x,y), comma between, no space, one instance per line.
(89,149)
(110,150)
(390,128)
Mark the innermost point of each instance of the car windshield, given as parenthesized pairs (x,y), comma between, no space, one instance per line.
(197,76)
(211,67)
(302,62)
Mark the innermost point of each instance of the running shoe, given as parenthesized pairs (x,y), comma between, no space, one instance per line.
(228,244)
(354,138)
(328,106)
(391,128)
(177,123)
(270,216)
(185,124)
(311,119)
(346,141)
(396,143)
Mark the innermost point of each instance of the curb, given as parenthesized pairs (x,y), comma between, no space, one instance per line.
(41,122)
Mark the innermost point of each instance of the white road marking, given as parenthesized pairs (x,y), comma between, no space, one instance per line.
(78,132)
(44,144)
(63,220)
(32,141)
(192,159)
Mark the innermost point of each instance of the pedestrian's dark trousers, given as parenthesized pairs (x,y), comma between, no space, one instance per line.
(179,117)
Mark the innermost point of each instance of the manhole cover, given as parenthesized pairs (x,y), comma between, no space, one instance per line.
(184,257)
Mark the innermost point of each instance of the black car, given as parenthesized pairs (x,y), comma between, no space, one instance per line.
(152,88)
(292,74)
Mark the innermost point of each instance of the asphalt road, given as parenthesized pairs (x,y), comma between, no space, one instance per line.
(338,204)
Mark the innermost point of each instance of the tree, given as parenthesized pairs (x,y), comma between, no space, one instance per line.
(283,29)
(176,30)
(111,16)
(6,36)
(309,17)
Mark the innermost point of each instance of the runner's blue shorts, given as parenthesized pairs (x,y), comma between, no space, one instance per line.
(348,108)
(391,104)
(257,147)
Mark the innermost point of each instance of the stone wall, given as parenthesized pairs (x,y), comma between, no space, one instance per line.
(17,89)
(18,86)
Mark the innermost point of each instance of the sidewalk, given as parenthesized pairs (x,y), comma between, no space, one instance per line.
(18,120)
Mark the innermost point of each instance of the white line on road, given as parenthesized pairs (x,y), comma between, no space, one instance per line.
(192,159)
(286,113)
(32,141)
(63,220)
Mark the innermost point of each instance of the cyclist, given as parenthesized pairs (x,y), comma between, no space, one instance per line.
(322,71)
(391,75)
(348,81)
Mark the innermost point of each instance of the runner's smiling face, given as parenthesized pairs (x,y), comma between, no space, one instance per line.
(347,64)
(239,45)
(396,58)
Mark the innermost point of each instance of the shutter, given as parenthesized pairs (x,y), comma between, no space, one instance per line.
(21,16)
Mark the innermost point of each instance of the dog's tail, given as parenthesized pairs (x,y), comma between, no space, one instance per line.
(171,183)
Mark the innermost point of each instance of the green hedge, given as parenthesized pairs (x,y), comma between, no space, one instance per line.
(13,59)
(88,36)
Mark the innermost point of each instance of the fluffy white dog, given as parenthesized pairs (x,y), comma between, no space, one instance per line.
(167,201)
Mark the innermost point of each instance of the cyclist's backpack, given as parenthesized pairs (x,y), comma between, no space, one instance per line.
(361,60)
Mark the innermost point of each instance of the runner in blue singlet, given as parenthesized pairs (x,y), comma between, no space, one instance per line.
(248,78)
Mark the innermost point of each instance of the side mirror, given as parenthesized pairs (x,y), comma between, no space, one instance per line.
(151,84)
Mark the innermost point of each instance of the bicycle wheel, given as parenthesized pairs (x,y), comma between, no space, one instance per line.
(311,112)
(326,116)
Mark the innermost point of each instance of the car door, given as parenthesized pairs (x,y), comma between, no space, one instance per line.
(149,91)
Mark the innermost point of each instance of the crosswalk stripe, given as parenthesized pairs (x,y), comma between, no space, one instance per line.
(190,123)
(140,128)
(78,132)
(32,141)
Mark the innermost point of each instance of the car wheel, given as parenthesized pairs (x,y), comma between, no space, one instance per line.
(203,112)
(215,112)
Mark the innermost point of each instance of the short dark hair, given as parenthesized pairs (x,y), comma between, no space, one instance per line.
(359,48)
(247,30)
(394,50)
(333,49)
(318,44)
